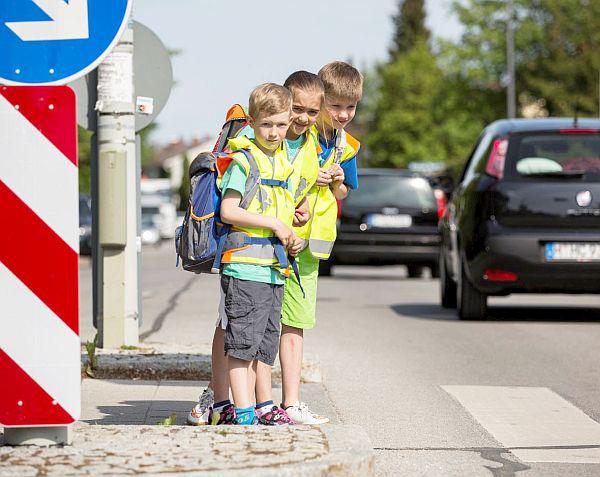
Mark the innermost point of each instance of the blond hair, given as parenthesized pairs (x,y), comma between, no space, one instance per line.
(342,80)
(305,81)
(268,99)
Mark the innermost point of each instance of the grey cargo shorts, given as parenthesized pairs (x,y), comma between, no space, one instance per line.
(253,312)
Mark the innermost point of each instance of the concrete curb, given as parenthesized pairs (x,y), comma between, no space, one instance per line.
(238,451)
(168,362)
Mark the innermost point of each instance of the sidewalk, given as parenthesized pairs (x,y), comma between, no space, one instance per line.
(120,434)
(121,429)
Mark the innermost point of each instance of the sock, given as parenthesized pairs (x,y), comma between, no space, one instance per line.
(244,415)
(219,406)
(263,408)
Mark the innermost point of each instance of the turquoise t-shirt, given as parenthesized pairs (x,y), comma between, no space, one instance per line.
(235,179)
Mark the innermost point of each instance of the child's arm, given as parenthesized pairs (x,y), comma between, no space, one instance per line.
(232,213)
(340,190)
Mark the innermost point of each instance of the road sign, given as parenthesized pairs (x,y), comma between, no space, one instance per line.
(53,41)
(152,78)
(39,243)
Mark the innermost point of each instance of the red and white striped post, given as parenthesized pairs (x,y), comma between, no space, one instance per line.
(39,248)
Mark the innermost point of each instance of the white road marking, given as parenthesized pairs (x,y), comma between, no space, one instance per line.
(536,424)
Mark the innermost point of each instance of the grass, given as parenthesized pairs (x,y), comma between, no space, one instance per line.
(92,363)
(168,421)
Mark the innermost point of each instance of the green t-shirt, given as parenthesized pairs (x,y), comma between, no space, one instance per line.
(235,179)
(294,146)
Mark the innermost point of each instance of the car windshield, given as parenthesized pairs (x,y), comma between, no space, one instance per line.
(560,155)
(379,190)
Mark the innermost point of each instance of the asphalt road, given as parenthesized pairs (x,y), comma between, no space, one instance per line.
(517,394)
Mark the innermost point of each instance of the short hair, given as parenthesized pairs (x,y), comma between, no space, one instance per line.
(269,98)
(305,81)
(342,80)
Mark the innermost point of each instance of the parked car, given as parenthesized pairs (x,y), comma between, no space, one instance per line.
(525,216)
(150,232)
(390,219)
(157,199)
(85,224)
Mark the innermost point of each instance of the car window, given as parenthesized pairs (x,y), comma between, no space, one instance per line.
(553,153)
(476,164)
(391,191)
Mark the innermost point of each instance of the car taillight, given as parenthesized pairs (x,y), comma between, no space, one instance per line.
(339,204)
(495,275)
(495,164)
(440,200)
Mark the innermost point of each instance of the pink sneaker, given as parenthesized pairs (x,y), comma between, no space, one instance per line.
(276,417)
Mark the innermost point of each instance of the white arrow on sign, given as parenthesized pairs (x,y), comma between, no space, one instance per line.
(69,22)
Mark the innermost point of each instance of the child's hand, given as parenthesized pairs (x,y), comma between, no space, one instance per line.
(324,177)
(337,173)
(300,217)
(283,233)
(296,246)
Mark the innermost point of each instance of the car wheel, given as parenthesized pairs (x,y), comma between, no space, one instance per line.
(447,285)
(435,270)
(324,268)
(414,271)
(471,303)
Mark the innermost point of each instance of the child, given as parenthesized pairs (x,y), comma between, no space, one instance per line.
(252,276)
(302,144)
(343,89)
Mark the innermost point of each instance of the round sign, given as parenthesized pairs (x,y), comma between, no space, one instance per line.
(53,41)
(152,78)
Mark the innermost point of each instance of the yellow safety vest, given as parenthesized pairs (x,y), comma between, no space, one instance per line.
(306,166)
(320,231)
(266,194)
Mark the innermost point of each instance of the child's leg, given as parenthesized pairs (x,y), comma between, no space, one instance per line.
(264,389)
(290,357)
(238,377)
(252,380)
(220,371)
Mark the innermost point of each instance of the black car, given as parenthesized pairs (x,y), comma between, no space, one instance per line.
(390,219)
(525,217)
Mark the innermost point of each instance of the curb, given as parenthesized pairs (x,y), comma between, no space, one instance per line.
(164,362)
(209,451)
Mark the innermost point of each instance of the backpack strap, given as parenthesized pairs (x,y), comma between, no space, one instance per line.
(340,146)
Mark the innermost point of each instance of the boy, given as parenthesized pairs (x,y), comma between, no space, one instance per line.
(337,159)
(253,274)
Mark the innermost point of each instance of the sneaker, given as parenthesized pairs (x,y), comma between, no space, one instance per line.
(198,416)
(224,417)
(275,417)
(300,413)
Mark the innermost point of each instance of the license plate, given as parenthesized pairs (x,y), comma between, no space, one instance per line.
(572,252)
(389,221)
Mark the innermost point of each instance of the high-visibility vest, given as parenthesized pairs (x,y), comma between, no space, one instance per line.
(270,196)
(306,166)
(320,231)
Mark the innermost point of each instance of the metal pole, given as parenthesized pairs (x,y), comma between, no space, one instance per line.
(118,323)
(511,107)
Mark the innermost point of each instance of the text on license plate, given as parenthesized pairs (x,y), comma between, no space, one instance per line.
(578,252)
(389,221)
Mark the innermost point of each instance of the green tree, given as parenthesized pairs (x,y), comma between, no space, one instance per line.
(84,158)
(409,25)
(402,129)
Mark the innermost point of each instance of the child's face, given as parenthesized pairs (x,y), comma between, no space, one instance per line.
(305,111)
(270,130)
(338,112)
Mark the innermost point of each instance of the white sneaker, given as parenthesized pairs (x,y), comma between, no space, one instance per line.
(198,416)
(301,414)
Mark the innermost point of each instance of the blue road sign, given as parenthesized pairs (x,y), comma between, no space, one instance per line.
(57,41)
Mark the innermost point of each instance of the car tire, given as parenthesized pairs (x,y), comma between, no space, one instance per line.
(414,271)
(447,285)
(471,303)
(435,270)
(324,268)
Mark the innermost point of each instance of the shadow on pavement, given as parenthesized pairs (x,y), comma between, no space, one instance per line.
(503,313)
(142,412)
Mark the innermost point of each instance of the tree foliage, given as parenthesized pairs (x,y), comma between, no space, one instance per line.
(410,27)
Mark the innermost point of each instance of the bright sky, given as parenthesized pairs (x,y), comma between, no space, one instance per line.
(229,47)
